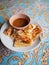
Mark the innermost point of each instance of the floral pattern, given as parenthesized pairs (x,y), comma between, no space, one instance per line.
(38,11)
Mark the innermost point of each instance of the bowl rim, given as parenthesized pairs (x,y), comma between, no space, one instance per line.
(17,18)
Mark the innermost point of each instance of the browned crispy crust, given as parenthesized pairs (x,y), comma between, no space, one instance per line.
(23,37)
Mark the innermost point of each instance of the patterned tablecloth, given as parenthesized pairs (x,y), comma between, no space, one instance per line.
(38,10)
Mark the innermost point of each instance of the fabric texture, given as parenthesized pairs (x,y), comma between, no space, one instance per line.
(38,11)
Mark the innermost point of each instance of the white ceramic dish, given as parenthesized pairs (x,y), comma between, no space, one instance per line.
(17,16)
(8,42)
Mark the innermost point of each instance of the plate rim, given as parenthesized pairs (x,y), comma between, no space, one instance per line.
(20,47)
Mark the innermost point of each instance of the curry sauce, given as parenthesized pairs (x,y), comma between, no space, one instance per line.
(20,22)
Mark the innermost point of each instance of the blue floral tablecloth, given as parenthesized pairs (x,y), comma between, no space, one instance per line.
(38,11)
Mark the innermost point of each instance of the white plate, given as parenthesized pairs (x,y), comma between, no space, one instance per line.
(8,42)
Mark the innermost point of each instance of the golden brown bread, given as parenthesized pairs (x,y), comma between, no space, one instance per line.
(23,37)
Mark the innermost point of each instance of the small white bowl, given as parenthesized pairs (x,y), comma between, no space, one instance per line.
(23,16)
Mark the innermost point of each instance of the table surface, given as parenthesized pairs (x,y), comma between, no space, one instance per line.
(38,11)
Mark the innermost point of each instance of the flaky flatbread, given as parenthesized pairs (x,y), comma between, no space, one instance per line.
(23,37)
